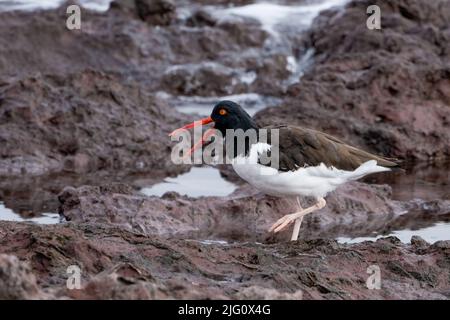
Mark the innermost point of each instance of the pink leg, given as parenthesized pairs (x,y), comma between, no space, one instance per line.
(297,224)
(283,222)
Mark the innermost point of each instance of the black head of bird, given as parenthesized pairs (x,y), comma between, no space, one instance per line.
(230,115)
(225,115)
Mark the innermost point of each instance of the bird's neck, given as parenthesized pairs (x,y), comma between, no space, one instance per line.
(249,124)
(242,144)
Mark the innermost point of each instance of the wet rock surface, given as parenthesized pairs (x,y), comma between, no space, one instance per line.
(82,122)
(117,263)
(17,280)
(82,113)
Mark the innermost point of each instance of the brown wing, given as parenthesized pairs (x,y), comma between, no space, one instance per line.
(300,147)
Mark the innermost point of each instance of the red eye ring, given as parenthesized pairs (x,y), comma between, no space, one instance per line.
(222,112)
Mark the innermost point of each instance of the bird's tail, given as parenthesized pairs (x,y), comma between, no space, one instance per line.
(366,168)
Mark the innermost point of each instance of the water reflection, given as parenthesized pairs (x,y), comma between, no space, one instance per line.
(9,215)
(436,232)
(421,181)
(198,182)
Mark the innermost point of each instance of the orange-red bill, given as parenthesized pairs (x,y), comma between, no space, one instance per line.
(193,124)
(208,133)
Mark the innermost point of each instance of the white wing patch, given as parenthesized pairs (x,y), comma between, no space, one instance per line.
(314,181)
(253,155)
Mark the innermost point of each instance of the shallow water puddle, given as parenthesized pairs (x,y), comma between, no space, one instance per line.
(9,215)
(437,232)
(198,182)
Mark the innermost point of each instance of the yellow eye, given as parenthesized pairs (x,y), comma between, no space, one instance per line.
(222,112)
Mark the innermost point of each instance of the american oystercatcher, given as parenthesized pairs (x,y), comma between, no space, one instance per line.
(310,162)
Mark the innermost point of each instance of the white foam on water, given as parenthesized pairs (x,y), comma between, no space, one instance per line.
(298,68)
(251,102)
(7,214)
(97,5)
(248,77)
(291,64)
(198,182)
(437,232)
(30,5)
(214,242)
(270,14)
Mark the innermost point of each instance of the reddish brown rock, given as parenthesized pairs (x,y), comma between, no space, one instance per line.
(153,12)
(125,40)
(183,268)
(17,281)
(83,122)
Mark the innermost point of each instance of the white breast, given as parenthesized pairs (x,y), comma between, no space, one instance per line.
(312,181)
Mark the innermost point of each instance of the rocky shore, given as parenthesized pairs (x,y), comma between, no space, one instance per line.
(119,264)
(85,112)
